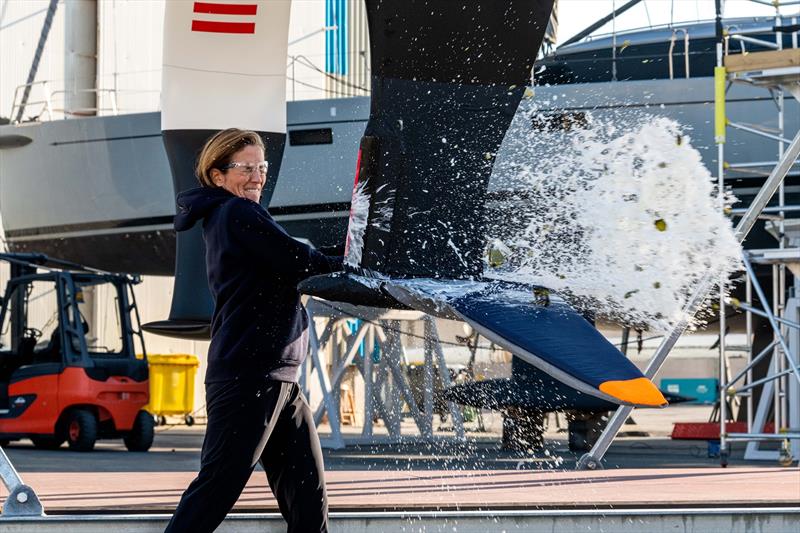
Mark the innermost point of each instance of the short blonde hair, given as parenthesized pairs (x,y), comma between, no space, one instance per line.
(219,149)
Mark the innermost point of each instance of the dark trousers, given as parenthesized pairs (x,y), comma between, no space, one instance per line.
(250,422)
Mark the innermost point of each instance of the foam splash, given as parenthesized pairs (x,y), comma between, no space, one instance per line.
(384,209)
(621,222)
(359,213)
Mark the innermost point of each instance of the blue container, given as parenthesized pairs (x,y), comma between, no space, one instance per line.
(703,391)
(713,449)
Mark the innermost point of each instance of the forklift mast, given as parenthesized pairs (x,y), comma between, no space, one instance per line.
(23,267)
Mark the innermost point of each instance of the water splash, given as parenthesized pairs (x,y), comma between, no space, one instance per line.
(623,222)
(384,208)
(359,213)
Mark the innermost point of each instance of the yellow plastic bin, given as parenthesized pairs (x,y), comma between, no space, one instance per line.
(172,386)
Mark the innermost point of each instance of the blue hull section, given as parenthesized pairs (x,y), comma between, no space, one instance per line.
(543,331)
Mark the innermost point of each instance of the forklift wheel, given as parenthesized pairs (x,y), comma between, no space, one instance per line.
(44,442)
(81,430)
(140,437)
(189,419)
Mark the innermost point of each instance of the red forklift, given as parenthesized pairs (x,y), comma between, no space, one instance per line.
(63,377)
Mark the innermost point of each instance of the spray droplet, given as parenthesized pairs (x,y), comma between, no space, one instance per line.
(541,296)
(496,258)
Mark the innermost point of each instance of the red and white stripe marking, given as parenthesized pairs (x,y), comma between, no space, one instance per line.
(221,22)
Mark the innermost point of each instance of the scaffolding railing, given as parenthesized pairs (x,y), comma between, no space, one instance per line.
(48,103)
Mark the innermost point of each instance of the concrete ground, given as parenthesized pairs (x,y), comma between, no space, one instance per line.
(177,449)
(653,475)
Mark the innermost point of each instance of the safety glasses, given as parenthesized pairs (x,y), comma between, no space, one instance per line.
(247,169)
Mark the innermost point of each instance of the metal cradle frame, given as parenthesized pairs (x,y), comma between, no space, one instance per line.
(373,345)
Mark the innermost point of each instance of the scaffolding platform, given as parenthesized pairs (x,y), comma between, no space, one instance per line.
(788,257)
(772,68)
(770,60)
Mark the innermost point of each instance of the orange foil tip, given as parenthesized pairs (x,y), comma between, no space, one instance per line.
(640,392)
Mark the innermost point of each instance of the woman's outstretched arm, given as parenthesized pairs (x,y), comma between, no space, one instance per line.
(269,243)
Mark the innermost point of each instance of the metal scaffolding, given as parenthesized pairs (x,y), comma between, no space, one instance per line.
(777,70)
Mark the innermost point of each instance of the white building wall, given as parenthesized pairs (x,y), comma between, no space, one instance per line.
(20,26)
(130,34)
(306,61)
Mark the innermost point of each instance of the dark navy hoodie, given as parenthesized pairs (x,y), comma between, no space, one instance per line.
(259,327)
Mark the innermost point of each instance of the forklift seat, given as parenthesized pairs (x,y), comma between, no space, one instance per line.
(52,350)
(25,352)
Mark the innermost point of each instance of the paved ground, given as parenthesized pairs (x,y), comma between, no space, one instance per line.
(177,449)
(640,471)
(444,489)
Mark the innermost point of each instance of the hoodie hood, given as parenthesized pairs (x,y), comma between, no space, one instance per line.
(197,204)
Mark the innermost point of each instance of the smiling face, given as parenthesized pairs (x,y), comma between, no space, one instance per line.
(238,181)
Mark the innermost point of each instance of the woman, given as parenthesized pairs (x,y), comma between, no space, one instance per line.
(259,337)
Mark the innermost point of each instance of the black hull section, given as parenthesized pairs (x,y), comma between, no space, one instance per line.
(447,78)
(193,330)
(431,149)
(140,252)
